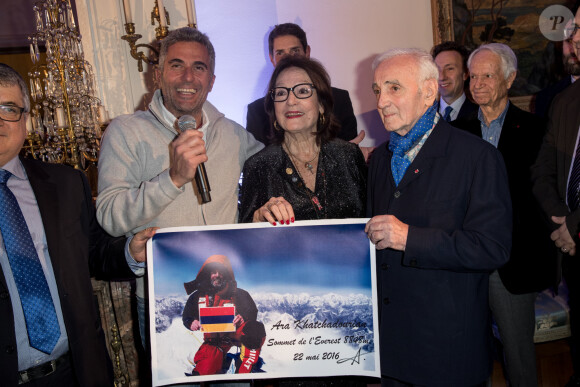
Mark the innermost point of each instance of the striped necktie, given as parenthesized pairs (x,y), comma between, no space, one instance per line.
(574,182)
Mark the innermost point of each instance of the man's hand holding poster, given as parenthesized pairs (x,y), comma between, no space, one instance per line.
(254,301)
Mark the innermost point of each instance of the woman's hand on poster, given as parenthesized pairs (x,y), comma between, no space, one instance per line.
(275,210)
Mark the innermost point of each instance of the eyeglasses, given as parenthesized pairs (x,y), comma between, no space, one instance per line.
(301,91)
(569,32)
(11,113)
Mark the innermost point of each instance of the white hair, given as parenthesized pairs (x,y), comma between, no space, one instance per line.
(509,61)
(427,67)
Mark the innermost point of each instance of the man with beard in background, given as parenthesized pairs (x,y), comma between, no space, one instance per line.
(215,286)
(572,69)
(556,182)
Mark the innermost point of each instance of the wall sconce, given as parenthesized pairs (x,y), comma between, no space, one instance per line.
(160,15)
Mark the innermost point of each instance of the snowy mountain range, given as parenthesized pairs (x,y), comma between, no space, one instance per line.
(289,308)
(347,350)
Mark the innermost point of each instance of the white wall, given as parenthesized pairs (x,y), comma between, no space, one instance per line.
(344,35)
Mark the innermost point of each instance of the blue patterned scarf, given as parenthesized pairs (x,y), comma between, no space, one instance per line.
(400,145)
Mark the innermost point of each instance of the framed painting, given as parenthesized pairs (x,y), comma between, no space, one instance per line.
(515,23)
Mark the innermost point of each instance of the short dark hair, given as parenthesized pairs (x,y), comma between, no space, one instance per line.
(187,34)
(10,77)
(284,30)
(452,46)
(328,126)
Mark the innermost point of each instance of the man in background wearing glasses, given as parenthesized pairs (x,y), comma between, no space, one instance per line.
(571,67)
(556,176)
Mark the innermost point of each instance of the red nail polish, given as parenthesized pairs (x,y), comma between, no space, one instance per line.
(287,222)
(292,220)
(273,223)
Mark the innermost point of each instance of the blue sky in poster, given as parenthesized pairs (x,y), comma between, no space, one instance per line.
(309,257)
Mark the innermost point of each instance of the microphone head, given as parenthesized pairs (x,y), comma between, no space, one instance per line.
(186,122)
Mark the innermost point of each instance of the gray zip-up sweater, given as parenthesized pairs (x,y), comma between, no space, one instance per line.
(135,189)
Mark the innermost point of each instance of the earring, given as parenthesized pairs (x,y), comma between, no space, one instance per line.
(321,119)
(276,125)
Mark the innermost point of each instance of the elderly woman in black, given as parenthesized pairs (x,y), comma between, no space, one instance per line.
(306,173)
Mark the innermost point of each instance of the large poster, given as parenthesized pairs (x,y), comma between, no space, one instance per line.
(284,301)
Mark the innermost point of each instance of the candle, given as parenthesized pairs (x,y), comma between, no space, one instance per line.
(29,128)
(189,12)
(60,120)
(193,12)
(161,13)
(98,131)
(37,124)
(103,116)
(127,9)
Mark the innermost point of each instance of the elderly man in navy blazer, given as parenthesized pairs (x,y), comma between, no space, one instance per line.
(441,222)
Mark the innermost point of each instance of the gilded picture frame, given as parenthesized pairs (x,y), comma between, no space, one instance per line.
(473,22)
(442,20)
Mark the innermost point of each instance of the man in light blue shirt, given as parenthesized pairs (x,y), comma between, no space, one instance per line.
(56,206)
(532,266)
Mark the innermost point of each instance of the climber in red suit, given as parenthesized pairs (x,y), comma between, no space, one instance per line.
(215,285)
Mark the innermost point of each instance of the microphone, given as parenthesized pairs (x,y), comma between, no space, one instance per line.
(184,123)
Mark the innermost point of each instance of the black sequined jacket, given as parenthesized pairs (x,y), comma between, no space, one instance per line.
(340,183)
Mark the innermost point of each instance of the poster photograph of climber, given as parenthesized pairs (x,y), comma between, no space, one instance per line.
(255,301)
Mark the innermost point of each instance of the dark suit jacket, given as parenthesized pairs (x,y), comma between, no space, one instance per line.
(77,246)
(468,110)
(433,297)
(545,96)
(532,266)
(340,182)
(258,122)
(550,172)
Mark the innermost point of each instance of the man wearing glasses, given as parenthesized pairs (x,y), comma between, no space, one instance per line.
(50,244)
(556,176)
(571,65)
